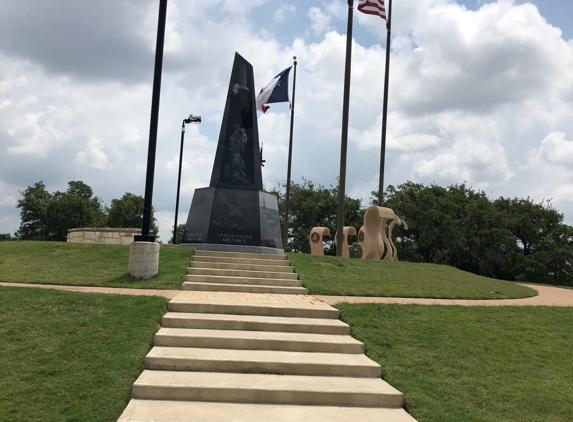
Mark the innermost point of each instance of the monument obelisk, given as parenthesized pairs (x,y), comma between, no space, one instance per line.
(234,214)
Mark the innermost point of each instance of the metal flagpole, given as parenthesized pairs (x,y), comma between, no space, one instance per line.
(145,237)
(344,137)
(287,195)
(385,106)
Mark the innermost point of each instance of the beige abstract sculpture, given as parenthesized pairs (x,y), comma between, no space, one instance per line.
(372,236)
(315,238)
(346,231)
(399,222)
(362,242)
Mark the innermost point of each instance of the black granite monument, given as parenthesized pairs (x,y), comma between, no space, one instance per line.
(234,214)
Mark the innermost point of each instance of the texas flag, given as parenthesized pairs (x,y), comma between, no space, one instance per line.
(276,91)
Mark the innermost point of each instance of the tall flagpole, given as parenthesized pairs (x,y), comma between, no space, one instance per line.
(385,106)
(344,137)
(287,196)
(152,147)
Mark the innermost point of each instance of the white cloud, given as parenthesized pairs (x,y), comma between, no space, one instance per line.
(239,8)
(336,8)
(320,21)
(550,170)
(477,60)
(281,12)
(470,92)
(7,197)
(93,156)
(554,149)
(165,220)
(481,165)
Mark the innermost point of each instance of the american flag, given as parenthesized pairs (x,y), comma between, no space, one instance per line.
(373,7)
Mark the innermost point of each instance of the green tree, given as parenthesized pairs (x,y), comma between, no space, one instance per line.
(72,209)
(511,239)
(552,263)
(128,212)
(5,237)
(178,234)
(33,211)
(544,243)
(530,223)
(310,206)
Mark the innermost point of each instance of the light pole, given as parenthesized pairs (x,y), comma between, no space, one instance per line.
(190,119)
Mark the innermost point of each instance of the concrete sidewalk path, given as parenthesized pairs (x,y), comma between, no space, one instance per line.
(548,296)
(106,290)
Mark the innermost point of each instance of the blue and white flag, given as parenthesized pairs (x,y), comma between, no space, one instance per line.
(276,91)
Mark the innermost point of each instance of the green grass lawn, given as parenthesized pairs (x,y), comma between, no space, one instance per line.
(327,275)
(86,265)
(468,364)
(106,266)
(68,356)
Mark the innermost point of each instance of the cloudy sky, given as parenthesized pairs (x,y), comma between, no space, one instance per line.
(480,92)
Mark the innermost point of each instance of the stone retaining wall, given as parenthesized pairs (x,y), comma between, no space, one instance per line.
(102,235)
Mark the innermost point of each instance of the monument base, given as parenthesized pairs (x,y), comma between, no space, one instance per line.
(234,248)
(234,220)
(143,259)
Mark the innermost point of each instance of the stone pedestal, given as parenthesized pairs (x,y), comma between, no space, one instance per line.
(143,259)
(234,220)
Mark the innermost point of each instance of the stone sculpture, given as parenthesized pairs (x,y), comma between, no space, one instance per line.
(372,235)
(362,242)
(315,239)
(400,222)
(346,231)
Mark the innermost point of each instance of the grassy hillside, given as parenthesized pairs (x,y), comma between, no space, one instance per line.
(328,275)
(71,356)
(86,265)
(106,266)
(74,356)
(470,364)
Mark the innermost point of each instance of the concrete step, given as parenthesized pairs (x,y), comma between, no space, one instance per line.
(193,411)
(254,323)
(256,340)
(241,273)
(243,266)
(250,261)
(225,255)
(242,280)
(255,307)
(226,287)
(261,362)
(264,388)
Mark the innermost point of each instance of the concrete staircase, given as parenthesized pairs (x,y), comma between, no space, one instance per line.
(234,348)
(235,272)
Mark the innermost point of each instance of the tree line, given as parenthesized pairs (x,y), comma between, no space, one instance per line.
(514,239)
(49,216)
